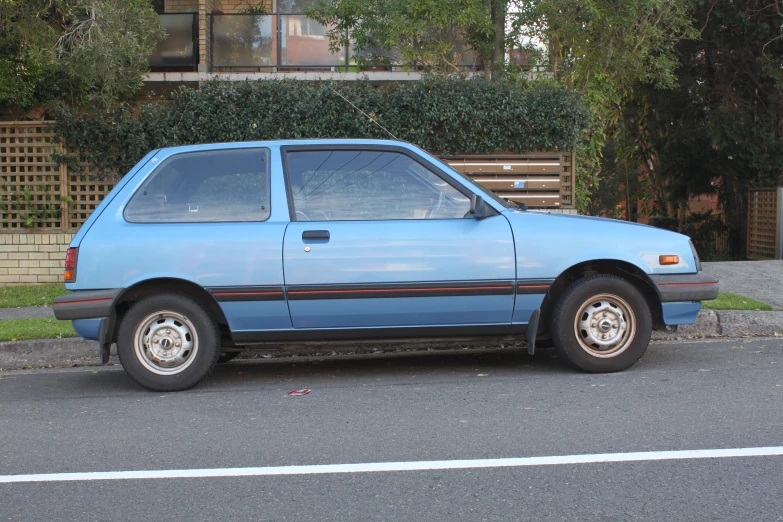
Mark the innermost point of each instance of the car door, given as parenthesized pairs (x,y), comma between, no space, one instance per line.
(378,239)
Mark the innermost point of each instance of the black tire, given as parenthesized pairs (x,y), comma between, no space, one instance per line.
(544,342)
(227,356)
(170,319)
(588,320)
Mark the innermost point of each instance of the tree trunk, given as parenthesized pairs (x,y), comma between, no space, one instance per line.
(554,54)
(498,13)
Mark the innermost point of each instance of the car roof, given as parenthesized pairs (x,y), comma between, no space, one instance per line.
(279,143)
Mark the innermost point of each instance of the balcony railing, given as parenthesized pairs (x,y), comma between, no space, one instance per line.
(266,43)
(282,41)
(179,50)
(251,41)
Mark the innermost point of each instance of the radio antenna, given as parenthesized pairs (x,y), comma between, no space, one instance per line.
(374,120)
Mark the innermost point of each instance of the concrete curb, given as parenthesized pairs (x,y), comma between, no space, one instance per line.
(48,353)
(729,323)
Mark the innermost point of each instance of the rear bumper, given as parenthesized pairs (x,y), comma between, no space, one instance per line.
(86,304)
(685,287)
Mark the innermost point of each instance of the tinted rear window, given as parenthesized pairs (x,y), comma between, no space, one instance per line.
(209,186)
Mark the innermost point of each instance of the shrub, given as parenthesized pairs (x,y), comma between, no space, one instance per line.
(442,115)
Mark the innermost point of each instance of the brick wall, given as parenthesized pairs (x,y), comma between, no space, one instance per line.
(180,6)
(32,258)
(236,6)
(205,7)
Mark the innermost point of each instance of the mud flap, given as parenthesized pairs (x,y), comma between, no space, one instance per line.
(104,339)
(532,329)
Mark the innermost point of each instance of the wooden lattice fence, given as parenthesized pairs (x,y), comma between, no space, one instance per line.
(37,194)
(765,230)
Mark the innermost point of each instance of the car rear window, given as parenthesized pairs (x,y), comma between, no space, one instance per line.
(207,186)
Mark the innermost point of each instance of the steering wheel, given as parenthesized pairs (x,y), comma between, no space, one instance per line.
(304,216)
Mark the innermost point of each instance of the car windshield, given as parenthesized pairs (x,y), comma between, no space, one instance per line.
(488,194)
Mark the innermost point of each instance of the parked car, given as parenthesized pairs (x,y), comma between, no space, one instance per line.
(204,250)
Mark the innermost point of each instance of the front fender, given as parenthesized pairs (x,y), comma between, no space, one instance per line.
(548,244)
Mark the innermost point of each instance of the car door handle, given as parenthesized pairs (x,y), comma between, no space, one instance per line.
(315,234)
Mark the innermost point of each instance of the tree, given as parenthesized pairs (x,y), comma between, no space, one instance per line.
(690,93)
(27,75)
(423,32)
(86,51)
(610,45)
(608,50)
(731,94)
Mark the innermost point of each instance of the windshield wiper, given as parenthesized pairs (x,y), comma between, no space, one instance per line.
(520,204)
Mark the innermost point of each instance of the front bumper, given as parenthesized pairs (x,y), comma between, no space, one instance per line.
(86,304)
(88,329)
(685,287)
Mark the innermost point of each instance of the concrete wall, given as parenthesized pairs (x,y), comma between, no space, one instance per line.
(32,258)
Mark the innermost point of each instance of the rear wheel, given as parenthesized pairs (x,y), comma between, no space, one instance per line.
(168,342)
(601,323)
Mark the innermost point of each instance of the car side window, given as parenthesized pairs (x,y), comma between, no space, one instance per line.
(208,186)
(367,185)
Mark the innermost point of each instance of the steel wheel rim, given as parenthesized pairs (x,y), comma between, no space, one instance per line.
(605,326)
(166,343)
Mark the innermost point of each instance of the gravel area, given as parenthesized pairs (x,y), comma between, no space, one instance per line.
(762,280)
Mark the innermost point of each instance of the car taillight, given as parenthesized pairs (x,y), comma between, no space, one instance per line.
(70,264)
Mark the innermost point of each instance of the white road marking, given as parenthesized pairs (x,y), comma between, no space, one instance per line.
(398,466)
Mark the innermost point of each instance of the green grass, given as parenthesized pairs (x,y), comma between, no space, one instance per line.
(30,295)
(27,329)
(727,301)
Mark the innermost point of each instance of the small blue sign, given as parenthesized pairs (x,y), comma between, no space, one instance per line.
(519,184)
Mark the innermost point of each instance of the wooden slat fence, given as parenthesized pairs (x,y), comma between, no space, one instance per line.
(539,179)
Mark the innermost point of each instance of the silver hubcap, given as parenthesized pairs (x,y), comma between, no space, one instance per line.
(605,326)
(166,343)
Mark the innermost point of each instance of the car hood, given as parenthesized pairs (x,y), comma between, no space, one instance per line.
(549,242)
(579,217)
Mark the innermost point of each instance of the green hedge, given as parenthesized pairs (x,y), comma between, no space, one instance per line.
(441,115)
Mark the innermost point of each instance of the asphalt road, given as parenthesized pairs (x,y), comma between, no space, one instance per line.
(720,394)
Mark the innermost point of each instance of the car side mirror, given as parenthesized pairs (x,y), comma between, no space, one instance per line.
(478,209)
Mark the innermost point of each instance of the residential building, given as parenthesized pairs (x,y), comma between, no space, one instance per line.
(238,39)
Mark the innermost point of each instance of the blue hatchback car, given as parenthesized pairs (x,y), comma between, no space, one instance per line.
(204,250)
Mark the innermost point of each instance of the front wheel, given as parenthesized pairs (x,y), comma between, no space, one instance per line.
(601,323)
(168,342)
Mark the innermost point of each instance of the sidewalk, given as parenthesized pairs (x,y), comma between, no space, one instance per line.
(761,280)
(27,312)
